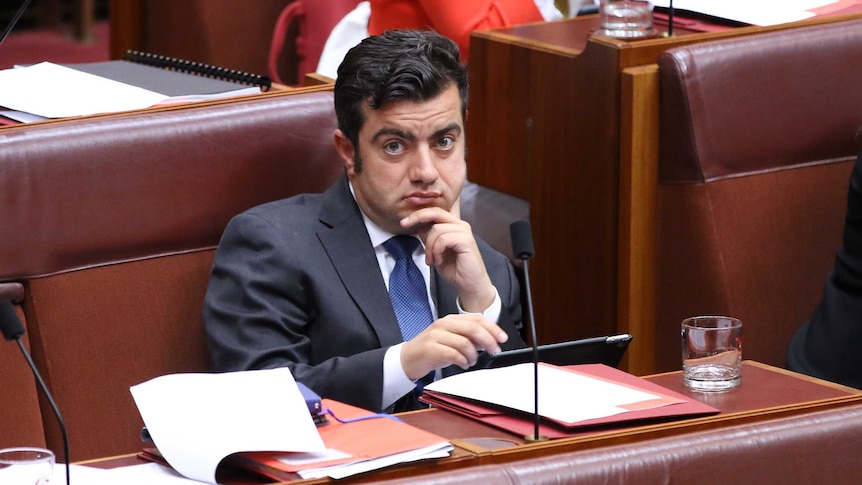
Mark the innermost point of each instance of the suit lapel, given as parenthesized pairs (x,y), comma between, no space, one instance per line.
(349,248)
(446,305)
(446,296)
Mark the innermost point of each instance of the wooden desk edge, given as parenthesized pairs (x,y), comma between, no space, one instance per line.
(822,382)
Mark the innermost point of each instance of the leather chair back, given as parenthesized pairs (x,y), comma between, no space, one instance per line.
(21,424)
(110,225)
(759,134)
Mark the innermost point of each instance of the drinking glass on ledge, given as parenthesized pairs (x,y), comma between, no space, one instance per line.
(711,353)
(626,19)
(26,466)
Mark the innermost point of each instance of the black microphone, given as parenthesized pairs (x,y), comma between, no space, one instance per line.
(12,329)
(522,247)
(14,21)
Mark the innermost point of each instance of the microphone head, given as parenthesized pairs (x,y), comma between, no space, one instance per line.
(10,324)
(522,240)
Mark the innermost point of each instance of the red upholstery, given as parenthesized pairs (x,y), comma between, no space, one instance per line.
(110,223)
(21,422)
(759,136)
(312,20)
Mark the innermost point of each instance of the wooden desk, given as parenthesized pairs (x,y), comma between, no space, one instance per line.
(569,121)
(766,393)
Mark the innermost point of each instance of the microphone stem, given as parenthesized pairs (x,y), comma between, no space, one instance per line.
(14,20)
(670,20)
(535,352)
(50,401)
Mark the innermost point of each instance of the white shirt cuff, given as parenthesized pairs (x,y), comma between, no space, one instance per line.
(491,313)
(395,381)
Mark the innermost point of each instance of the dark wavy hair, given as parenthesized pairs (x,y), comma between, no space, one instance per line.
(412,65)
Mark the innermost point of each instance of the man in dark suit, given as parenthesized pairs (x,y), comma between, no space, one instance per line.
(302,282)
(827,346)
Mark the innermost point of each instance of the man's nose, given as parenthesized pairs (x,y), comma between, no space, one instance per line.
(424,167)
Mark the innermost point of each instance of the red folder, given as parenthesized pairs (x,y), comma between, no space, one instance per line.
(362,440)
(521,423)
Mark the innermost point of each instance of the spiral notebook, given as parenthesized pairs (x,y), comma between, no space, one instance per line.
(174,77)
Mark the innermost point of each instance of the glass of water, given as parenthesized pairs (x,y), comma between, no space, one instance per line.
(711,353)
(26,466)
(626,19)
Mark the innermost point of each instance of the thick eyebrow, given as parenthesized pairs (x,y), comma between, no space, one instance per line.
(393,131)
(446,129)
(411,137)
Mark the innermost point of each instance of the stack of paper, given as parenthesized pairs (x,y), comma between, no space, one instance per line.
(760,12)
(571,398)
(47,90)
(259,420)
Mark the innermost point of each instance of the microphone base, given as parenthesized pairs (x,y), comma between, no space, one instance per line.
(531,438)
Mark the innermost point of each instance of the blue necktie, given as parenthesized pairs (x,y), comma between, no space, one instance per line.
(407,288)
(410,301)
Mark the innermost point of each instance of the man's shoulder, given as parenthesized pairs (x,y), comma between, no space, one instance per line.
(297,204)
(293,215)
(305,206)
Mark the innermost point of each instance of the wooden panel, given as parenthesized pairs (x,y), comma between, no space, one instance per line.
(126,26)
(551,143)
(637,218)
(209,31)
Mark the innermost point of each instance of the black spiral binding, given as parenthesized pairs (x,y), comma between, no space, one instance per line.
(198,68)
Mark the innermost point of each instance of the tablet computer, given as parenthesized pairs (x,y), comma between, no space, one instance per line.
(606,350)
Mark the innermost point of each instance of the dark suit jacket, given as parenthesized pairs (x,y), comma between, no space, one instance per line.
(296,283)
(827,346)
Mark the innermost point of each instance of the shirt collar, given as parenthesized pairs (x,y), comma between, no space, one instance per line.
(377,234)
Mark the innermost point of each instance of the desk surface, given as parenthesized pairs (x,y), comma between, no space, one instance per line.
(766,392)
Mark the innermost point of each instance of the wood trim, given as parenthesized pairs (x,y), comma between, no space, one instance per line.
(638,194)
(127,21)
(316,79)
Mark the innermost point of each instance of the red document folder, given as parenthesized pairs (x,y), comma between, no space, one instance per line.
(363,440)
(521,423)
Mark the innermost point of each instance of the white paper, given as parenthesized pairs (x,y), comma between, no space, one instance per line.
(759,12)
(55,91)
(196,420)
(191,98)
(564,396)
(342,471)
(21,116)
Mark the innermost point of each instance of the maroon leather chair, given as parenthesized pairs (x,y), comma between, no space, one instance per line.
(21,422)
(758,137)
(110,223)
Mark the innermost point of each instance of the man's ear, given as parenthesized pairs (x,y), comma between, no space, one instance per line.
(345,150)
